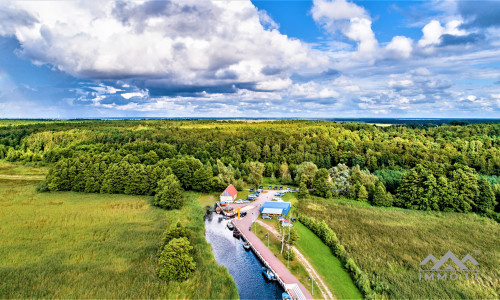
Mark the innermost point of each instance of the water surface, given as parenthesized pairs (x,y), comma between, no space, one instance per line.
(243,265)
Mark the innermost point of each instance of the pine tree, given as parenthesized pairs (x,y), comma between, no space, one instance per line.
(486,200)
(380,195)
(362,194)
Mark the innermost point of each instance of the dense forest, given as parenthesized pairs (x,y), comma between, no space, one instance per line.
(446,167)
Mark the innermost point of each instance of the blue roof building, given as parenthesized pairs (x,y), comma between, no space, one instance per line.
(275,208)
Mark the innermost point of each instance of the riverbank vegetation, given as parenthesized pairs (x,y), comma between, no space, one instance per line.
(78,245)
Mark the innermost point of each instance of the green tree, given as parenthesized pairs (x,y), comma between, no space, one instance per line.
(175,261)
(303,192)
(240,186)
(202,179)
(486,200)
(320,183)
(362,194)
(305,173)
(169,194)
(380,195)
(256,170)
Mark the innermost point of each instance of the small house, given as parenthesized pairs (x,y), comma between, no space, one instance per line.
(229,194)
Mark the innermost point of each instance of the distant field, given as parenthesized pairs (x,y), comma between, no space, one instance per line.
(389,244)
(75,245)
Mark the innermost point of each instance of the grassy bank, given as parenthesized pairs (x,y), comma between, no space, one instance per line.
(295,267)
(76,245)
(389,244)
(328,266)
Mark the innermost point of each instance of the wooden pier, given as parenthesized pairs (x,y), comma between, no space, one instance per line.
(287,281)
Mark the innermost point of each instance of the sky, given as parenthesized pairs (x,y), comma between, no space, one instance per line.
(242,58)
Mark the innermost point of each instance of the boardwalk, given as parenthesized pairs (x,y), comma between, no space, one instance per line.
(244,224)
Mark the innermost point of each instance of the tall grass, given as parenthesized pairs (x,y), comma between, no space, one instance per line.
(389,245)
(75,245)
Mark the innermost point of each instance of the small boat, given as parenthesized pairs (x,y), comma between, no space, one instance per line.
(236,233)
(285,296)
(246,245)
(268,274)
(230,225)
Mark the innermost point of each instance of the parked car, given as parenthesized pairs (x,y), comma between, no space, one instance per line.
(293,220)
(270,187)
(276,187)
(281,218)
(261,187)
(277,199)
(243,214)
(281,187)
(246,201)
(287,187)
(267,217)
(239,201)
(250,190)
(230,201)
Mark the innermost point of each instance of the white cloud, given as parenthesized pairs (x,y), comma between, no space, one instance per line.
(180,42)
(433,31)
(141,94)
(311,90)
(349,18)
(404,83)
(400,47)
(431,34)
(336,10)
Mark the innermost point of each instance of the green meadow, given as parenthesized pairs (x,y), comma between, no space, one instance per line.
(326,264)
(76,245)
(389,244)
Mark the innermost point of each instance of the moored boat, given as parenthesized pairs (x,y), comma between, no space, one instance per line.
(246,245)
(230,225)
(268,274)
(285,296)
(236,233)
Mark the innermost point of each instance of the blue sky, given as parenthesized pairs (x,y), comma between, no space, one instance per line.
(191,58)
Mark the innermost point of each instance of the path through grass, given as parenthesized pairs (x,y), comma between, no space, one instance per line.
(326,264)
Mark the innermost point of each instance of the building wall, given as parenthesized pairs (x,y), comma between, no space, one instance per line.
(225,198)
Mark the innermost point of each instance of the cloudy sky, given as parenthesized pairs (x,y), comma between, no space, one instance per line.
(183,58)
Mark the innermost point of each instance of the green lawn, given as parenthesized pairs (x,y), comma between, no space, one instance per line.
(326,264)
(76,245)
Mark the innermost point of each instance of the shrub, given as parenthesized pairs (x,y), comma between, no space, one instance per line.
(175,262)
(289,254)
(174,232)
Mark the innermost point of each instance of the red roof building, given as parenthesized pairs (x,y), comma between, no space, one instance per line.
(229,193)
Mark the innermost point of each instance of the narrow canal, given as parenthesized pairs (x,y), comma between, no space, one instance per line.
(243,265)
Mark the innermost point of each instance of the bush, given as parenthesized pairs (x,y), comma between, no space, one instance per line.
(176,262)
(174,232)
(289,254)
